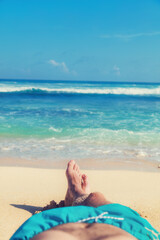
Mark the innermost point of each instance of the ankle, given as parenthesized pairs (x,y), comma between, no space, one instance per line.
(80,200)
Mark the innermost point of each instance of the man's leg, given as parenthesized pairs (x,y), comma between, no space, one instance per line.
(78,192)
(95,199)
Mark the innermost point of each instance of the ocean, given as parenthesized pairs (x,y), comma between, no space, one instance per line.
(63,120)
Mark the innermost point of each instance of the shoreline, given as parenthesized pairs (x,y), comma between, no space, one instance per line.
(86,164)
(25,190)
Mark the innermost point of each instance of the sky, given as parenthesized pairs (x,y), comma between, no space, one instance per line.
(97,40)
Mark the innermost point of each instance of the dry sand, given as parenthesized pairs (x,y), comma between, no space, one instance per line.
(24,190)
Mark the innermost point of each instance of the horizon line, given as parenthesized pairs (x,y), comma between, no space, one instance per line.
(95,81)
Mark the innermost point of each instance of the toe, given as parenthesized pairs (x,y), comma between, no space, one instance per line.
(71,163)
(70,166)
(76,168)
(85,184)
(85,179)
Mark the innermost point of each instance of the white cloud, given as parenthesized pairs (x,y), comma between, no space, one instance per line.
(62,66)
(130,36)
(116,70)
(54,63)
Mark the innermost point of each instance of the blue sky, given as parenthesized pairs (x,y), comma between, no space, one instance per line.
(102,40)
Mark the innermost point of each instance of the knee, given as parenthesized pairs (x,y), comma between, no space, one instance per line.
(96,199)
(95,195)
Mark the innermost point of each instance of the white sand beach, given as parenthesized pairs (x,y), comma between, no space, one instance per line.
(24,190)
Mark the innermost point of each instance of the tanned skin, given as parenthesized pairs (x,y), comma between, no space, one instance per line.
(78,186)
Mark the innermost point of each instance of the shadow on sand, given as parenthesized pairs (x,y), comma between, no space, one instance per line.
(29,208)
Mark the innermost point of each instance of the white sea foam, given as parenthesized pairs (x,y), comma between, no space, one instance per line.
(5,148)
(114,90)
(52,149)
(55,129)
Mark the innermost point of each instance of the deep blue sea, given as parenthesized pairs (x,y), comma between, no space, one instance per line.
(57,120)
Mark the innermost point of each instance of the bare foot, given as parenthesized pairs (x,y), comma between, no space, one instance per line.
(77,184)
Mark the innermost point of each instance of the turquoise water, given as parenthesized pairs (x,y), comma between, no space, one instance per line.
(58,120)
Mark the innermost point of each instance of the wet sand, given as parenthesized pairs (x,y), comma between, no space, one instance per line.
(24,190)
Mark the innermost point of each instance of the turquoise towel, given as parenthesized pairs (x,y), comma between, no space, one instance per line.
(114,214)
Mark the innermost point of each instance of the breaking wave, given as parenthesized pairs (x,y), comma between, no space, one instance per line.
(132,91)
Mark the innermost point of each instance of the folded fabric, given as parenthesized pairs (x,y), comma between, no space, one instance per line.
(114,214)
